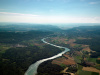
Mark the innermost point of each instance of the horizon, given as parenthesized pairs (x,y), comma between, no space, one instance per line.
(50,11)
(69,25)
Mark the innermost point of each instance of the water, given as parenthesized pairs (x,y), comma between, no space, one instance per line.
(32,70)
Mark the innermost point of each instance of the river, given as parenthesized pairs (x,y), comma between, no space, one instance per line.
(32,70)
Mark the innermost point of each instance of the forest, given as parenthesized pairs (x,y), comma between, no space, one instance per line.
(15,60)
(17,37)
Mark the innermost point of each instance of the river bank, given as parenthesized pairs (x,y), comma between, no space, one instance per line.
(32,70)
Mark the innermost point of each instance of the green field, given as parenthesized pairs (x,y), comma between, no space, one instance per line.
(92,59)
(80,67)
(3,48)
(63,65)
(77,59)
(77,45)
(81,72)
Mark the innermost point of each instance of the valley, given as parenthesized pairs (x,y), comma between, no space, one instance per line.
(18,50)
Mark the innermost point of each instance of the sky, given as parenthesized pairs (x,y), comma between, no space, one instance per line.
(50,11)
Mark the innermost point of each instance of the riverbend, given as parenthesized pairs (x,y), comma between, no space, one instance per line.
(32,70)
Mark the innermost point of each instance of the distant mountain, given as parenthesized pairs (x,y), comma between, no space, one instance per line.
(28,27)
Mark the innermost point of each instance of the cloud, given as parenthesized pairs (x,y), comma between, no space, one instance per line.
(29,18)
(93,2)
(50,19)
(16,14)
(97,18)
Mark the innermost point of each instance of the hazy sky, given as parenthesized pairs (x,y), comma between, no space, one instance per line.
(50,11)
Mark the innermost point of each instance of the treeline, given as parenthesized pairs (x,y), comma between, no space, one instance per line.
(27,27)
(15,61)
(16,37)
(47,68)
(83,31)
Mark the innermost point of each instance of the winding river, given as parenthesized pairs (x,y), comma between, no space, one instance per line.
(32,70)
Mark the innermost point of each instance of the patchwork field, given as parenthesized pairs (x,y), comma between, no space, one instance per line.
(64,61)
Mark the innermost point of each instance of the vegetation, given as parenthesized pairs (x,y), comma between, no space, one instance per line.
(81,72)
(47,68)
(83,41)
(17,37)
(15,61)
(22,27)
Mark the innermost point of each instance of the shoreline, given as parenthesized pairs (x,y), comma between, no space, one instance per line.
(32,70)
